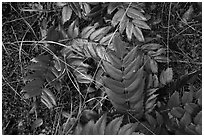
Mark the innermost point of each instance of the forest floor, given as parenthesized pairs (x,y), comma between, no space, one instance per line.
(184,41)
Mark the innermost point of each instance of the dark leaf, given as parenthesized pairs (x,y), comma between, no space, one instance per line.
(44,59)
(114,126)
(187,97)
(37,123)
(191,108)
(186,79)
(177,112)
(76,8)
(186,119)
(38,66)
(174,100)
(198,118)
(35,75)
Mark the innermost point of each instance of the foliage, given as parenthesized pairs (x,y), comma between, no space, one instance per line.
(101,128)
(99,50)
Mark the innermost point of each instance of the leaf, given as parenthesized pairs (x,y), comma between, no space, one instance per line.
(66,13)
(159,52)
(99,33)
(50,76)
(123,24)
(37,66)
(99,128)
(129,30)
(33,88)
(199,129)
(186,119)
(101,53)
(86,8)
(153,66)
(44,59)
(32,93)
(162,59)
(141,24)
(151,121)
(86,32)
(119,46)
(187,97)
(88,129)
(187,15)
(114,85)
(76,8)
(166,76)
(127,129)
(174,100)
(198,118)
(45,100)
(78,129)
(61,4)
(112,6)
(191,108)
(53,35)
(35,75)
(114,126)
(84,78)
(198,96)
(112,71)
(177,112)
(135,14)
(138,34)
(51,96)
(160,119)
(37,123)
(106,39)
(117,17)
(151,46)
(95,11)
(73,30)
(131,55)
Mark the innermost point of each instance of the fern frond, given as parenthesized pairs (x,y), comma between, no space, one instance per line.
(131,79)
(102,128)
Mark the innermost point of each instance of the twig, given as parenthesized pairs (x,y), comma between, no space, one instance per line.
(169,18)
(14,90)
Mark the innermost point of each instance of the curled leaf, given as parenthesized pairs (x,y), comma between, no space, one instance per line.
(37,123)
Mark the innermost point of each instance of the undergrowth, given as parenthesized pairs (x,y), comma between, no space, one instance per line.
(101,68)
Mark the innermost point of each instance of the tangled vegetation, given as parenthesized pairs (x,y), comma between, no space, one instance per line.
(102,68)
